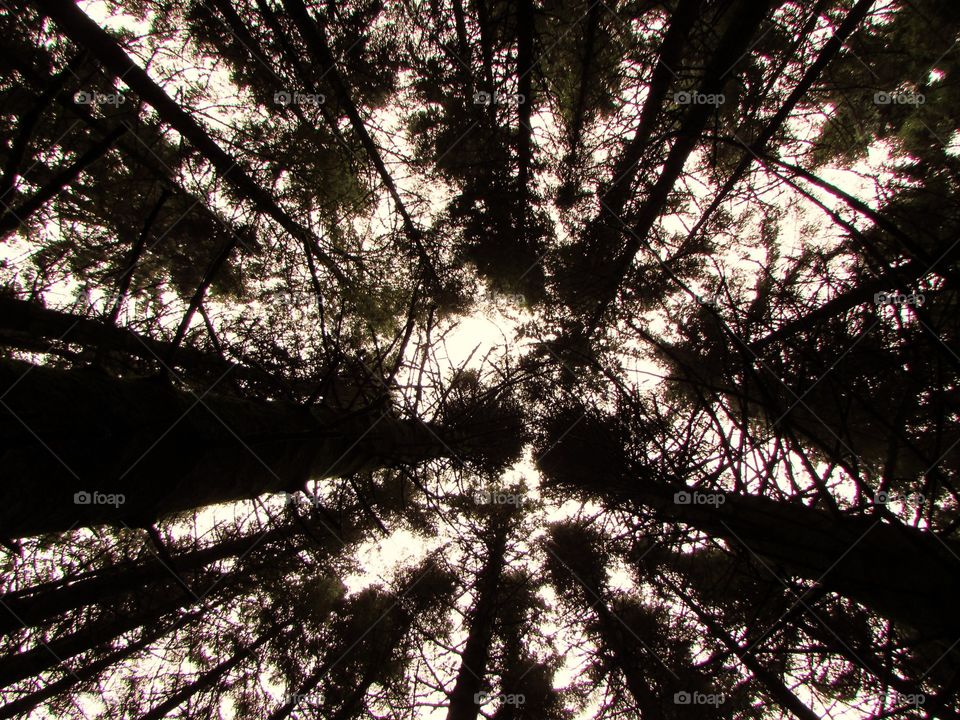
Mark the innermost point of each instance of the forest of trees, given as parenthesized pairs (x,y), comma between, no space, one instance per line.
(554,360)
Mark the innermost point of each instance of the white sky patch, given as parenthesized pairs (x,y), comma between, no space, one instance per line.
(402,549)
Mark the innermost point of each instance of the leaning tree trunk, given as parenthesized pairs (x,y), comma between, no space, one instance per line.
(79,448)
(49,655)
(31,326)
(33,609)
(907,575)
(473,664)
(90,671)
(212,676)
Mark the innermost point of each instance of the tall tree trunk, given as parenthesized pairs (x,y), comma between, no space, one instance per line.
(23,323)
(14,218)
(899,572)
(25,703)
(83,31)
(81,448)
(212,676)
(27,609)
(733,46)
(473,663)
(48,655)
(526,62)
(833,46)
(780,693)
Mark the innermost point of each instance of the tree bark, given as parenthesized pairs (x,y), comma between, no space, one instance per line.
(211,677)
(35,609)
(473,664)
(901,573)
(68,434)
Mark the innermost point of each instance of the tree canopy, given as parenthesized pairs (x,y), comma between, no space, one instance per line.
(464,359)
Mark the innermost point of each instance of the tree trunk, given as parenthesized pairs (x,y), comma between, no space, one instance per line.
(25,703)
(473,664)
(901,573)
(48,655)
(211,677)
(774,685)
(80,448)
(86,34)
(22,323)
(732,48)
(35,609)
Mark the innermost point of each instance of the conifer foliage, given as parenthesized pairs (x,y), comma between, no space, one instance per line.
(502,359)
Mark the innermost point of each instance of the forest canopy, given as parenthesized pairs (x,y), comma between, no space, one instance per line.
(504,359)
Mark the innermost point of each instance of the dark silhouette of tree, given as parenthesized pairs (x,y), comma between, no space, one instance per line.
(258,459)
